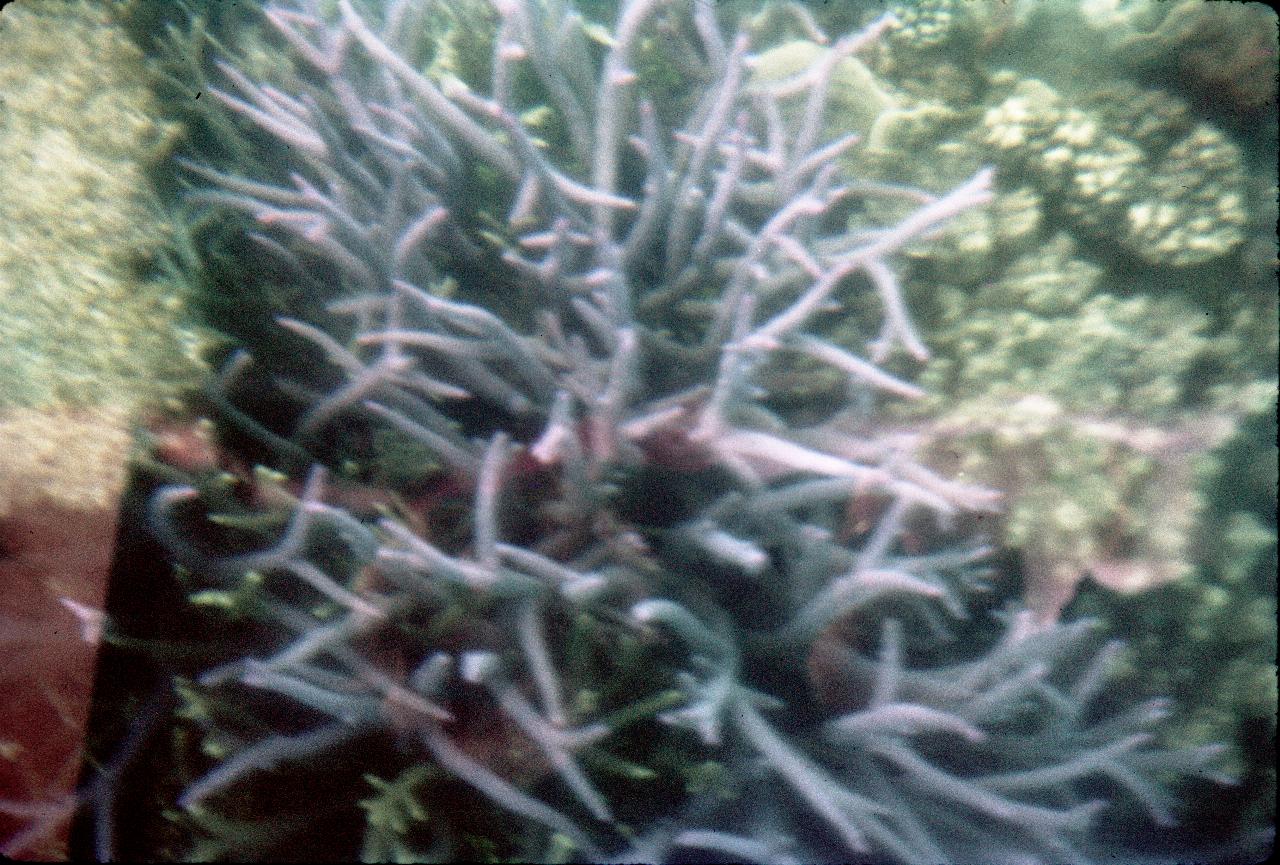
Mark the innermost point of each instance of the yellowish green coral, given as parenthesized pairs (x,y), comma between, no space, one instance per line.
(935,49)
(1078,404)
(86,343)
(1090,408)
(1117,176)
(78,325)
(857,98)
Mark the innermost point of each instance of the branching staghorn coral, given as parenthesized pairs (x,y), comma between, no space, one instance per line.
(581,330)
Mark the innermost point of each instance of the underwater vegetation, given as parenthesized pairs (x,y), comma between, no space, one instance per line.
(614,448)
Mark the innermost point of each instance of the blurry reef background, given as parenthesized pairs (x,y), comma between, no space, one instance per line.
(1103,340)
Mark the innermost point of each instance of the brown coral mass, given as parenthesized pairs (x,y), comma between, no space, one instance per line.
(61,474)
(1232,58)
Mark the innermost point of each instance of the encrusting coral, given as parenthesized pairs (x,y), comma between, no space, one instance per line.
(577,310)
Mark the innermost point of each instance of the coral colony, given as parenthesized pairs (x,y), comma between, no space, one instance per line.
(572,307)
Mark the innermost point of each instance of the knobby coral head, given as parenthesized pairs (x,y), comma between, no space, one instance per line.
(575,308)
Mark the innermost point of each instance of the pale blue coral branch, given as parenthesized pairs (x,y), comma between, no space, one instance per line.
(557,743)
(503,793)
(264,755)
(637,289)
